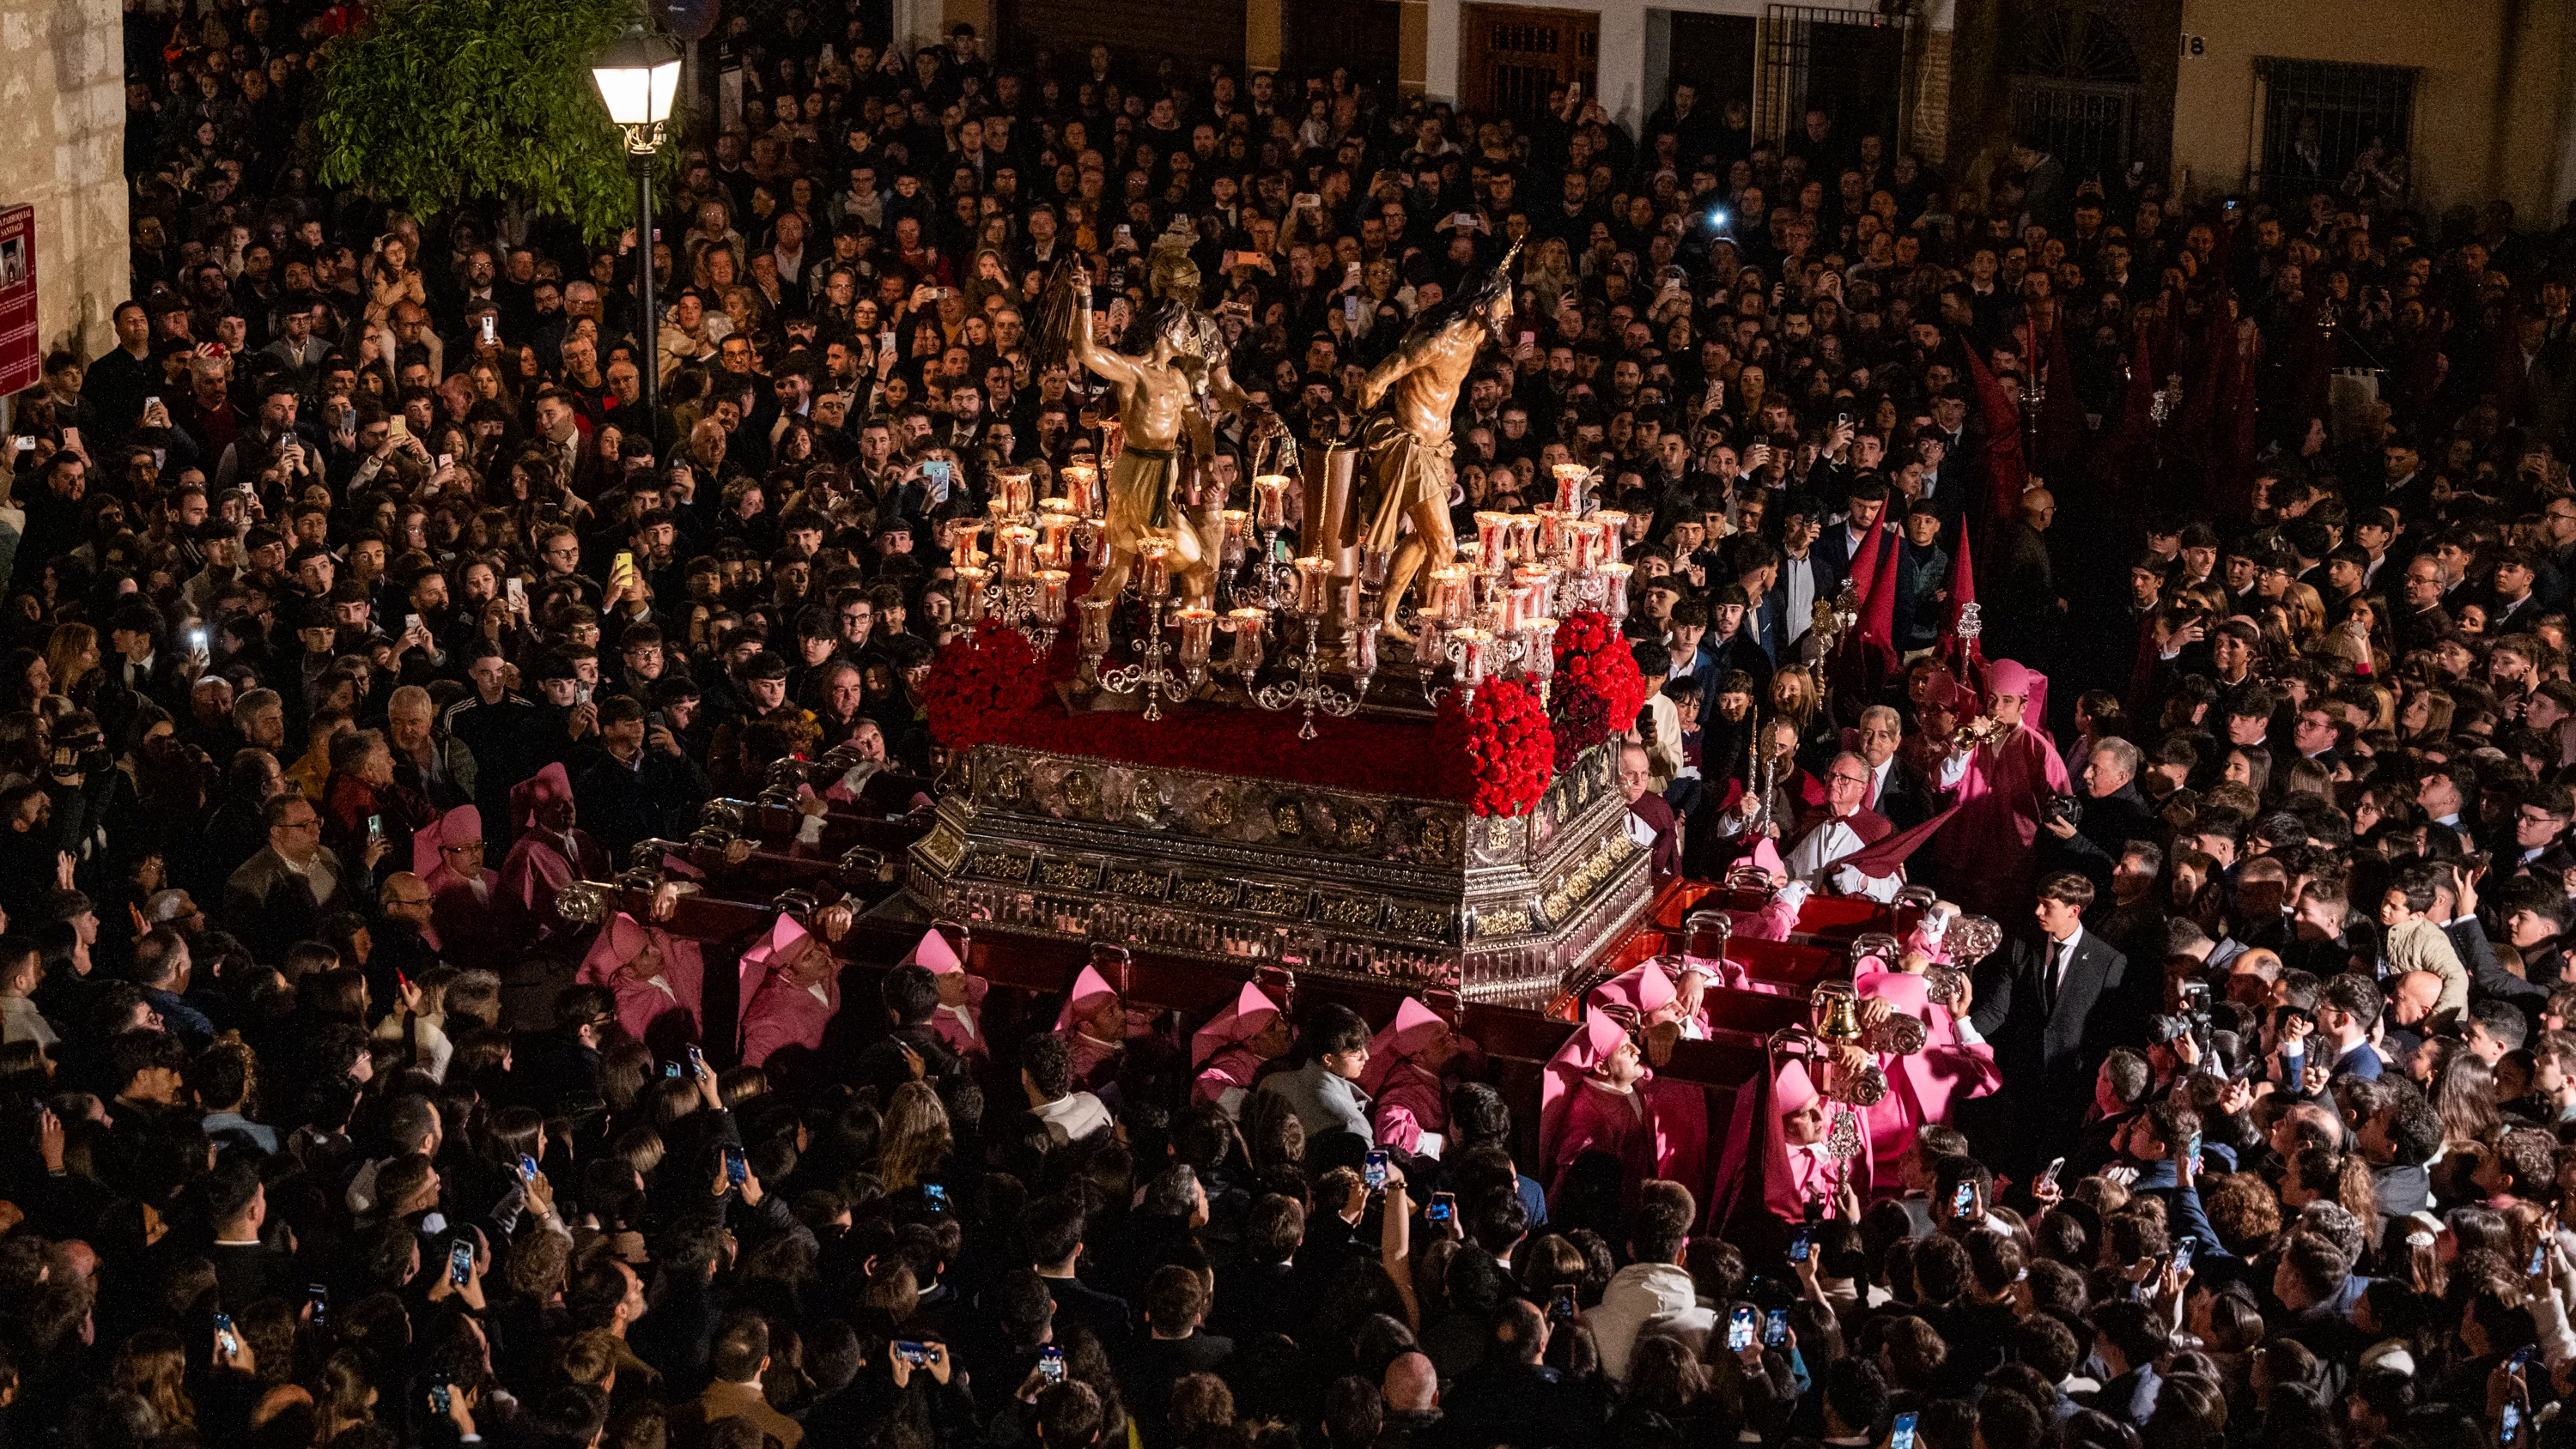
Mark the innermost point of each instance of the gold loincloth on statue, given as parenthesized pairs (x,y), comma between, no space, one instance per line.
(1397,471)
(1143,483)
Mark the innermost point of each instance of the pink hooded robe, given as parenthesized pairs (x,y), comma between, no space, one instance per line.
(1577,1114)
(1794,1176)
(1410,1101)
(777,1012)
(463,918)
(643,1000)
(1218,1052)
(1678,1109)
(1094,1061)
(961,1027)
(1986,849)
(541,864)
(1921,1086)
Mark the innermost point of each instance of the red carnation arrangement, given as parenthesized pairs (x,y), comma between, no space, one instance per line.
(1504,743)
(982,684)
(1597,688)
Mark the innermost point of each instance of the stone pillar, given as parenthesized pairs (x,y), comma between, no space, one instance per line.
(64,94)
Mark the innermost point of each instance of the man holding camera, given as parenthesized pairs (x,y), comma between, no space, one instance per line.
(2087,831)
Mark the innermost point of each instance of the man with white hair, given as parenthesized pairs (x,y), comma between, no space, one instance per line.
(1844,828)
(1898,792)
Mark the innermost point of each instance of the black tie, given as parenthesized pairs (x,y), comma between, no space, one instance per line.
(2048,980)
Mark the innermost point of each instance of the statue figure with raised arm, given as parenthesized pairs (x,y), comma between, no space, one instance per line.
(1404,442)
(1156,399)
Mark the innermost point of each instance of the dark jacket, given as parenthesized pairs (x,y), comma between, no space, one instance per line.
(657,796)
(2057,1050)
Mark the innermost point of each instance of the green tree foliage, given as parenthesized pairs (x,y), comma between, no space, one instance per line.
(438,102)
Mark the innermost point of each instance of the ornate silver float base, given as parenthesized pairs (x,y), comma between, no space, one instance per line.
(1405,891)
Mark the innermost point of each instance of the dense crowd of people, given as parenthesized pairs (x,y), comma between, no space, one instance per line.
(360,605)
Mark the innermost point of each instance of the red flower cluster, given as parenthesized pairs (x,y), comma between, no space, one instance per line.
(981,686)
(1593,665)
(1505,745)
(1579,716)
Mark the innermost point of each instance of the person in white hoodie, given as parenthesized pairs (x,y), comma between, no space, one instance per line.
(1654,1282)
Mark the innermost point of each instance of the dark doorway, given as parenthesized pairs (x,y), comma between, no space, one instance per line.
(1849,63)
(1195,36)
(1355,35)
(1713,54)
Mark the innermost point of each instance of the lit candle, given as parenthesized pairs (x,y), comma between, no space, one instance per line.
(1583,544)
(1538,632)
(1052,584)
(1019,547)
(1510,605)
(1614,532)
(1081,487)
(1247,625)
(1056,551)
(1539,585)
(1015,488)
(970,550)
(1095,623)
(1493,538)
(1570,481)
(1314,585)
(1524,536)
(1467,651)
(1155,557)
(1361,641)
(1095,544)
(1452,597)
(1198,631)
(1614,598)
(1272,491)
(1551,533)
(971,579)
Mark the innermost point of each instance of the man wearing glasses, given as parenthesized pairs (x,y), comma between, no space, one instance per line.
(403,945)
(1845,827)
(284,893)
(2540,834)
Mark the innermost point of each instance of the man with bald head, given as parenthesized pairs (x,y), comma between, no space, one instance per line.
(1411,1389)
(2024,608)
(401,940)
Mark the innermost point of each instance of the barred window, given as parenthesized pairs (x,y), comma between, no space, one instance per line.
(2328,126)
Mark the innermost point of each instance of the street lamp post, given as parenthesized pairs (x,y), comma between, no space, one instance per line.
(637,77)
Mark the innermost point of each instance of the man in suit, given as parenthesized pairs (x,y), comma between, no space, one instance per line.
(247,1269)
(1176,1301)
(740,1356)
(283,894)
(1512,1396)
(1898,792)
(2053,1008)
(1056,1228)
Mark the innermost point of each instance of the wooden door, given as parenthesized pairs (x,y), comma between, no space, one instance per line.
(1511,56)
